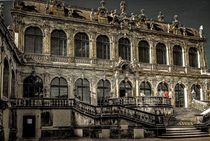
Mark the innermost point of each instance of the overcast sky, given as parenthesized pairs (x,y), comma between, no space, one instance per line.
(192,13)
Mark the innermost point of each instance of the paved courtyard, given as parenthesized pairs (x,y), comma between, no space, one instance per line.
(145,139)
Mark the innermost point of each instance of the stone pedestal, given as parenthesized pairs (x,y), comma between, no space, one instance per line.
(138,133)
(78,132)
(105,133)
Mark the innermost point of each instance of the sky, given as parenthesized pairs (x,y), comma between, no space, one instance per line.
(192,13)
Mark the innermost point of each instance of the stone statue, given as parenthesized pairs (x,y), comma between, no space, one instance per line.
(102,4)
(102,10)
(123,7)
(92,14)
(142,16)
(160,17)
(201,31)
(176,21)
(132,18)
(1,9)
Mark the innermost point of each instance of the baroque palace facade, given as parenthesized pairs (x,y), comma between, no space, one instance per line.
(53,54)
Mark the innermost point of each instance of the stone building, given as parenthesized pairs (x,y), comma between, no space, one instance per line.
(54,53)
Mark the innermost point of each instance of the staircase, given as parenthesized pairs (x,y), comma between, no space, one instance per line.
(183,125)
(183,132)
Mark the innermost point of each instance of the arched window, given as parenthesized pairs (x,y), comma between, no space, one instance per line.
(103,91)
(33,40)
(144,56)
(195,90)
(124,49)
(193,57)
(59,88)
(161,53)
(13,86)
(145,89)
(58,43)
(179,95)
(33,86)
(6,79)
(103,47)
(162,88)
(177,55)
(81,45)
(125,88)
(82,90)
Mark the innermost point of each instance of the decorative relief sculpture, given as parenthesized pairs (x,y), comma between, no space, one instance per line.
(160,17)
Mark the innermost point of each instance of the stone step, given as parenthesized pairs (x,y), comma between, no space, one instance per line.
(184,136)
(180,128)
(183,132)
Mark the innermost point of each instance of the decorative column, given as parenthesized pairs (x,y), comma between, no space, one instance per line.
(116,83)
(186,58)
(169,56)
(71,88)
(70,43)
(137,86)
(93,91)
(92,46)
(46,41)
(133,49)
(114,48)
(46,85)
(153,55)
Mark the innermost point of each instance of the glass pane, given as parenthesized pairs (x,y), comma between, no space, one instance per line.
(54,92)
(63,92)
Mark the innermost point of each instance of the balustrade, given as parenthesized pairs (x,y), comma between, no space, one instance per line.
(117,109)
(42,102)
(143,100)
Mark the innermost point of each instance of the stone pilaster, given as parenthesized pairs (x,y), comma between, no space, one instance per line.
(134,44)
(153,54)
(92,46)
(114,48)
(46,41)
(70,43)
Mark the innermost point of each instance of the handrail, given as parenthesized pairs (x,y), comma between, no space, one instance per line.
(141,100)
(200,105)
(44,102)
(120,112)
(95,112)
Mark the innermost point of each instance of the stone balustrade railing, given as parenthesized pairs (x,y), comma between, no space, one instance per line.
(96,112)
(29,102)
(200,105)
(141,100)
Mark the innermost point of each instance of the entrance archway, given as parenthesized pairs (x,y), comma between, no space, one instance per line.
(179,95)
(125,89)
(196,94)
(103,91)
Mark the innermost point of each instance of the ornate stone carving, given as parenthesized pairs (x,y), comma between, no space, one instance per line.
(160,17)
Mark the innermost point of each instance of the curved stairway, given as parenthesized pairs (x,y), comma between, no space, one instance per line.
(183,132)
(183,125)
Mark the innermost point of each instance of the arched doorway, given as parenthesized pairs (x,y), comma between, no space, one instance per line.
(103,91)
(6,79)
(162,88)
(145,89)
(33,86)
(13,86)
(125,88)
(179,95)
(82,91)
(195,90)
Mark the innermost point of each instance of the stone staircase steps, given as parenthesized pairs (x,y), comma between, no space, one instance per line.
(177,132)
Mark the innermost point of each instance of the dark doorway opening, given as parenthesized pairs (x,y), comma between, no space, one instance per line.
(29,126)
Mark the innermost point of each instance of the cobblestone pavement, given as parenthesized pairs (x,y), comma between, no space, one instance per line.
(145,139)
